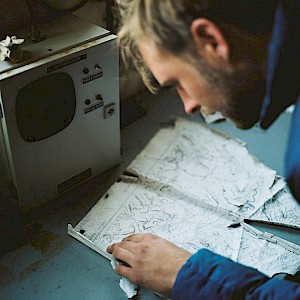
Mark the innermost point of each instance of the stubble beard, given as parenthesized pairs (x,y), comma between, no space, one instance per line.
(240,92)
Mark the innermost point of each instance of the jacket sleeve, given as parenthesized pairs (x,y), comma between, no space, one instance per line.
(207,275)
(292,159)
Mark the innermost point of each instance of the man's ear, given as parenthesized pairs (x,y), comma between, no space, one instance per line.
(207,36)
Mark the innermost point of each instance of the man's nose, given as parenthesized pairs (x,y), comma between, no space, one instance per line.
(190,105)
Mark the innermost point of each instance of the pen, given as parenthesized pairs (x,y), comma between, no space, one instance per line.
(249,221)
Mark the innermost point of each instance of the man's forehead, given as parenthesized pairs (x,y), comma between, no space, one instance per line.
(149,50)
(158,61)
(151,57)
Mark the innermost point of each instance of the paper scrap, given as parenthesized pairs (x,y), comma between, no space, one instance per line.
(129,288)
(7,45)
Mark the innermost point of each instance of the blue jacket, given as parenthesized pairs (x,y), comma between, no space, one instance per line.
(283,84)
(207,275)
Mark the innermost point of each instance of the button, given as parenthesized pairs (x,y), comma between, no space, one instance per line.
(85,70)
(109,110)
(99,97)
(87,101)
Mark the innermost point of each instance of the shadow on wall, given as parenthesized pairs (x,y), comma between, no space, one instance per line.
(14,14)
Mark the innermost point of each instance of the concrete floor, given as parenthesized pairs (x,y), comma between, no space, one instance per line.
(39,260)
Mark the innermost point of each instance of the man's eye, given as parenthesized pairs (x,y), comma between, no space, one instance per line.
(171,86)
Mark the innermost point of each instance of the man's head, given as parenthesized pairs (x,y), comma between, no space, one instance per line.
(213,52)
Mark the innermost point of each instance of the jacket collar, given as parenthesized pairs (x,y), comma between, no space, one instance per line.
(283,75)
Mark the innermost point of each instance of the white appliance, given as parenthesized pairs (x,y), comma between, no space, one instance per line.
(59,112)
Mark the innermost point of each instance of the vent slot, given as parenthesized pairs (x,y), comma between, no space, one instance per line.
(75,180)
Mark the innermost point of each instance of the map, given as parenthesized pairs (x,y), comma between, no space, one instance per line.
(189,185)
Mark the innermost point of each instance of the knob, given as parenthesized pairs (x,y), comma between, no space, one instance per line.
(99,97)
(85,70)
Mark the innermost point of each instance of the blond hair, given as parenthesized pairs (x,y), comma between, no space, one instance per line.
(167,24)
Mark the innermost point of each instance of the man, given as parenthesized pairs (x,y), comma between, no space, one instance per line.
(240,58)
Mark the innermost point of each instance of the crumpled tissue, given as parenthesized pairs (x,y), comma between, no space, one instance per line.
(127,286)
(7,45)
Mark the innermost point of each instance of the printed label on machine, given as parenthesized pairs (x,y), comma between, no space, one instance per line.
(93,107)
(92,77)
(66,63)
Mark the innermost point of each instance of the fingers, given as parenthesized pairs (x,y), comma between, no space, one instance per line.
(128,273)
(149,261)
(126,244)
(140,237)
(126,250)
(122,254)
(134,238)
(109,248)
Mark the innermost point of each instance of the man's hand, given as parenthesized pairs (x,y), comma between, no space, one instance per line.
(149,261)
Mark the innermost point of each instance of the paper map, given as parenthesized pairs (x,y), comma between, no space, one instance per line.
(188,185)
